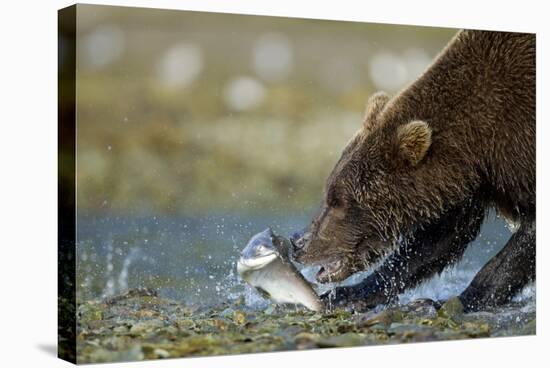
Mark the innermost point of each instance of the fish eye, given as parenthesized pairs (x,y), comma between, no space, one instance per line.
(262,248)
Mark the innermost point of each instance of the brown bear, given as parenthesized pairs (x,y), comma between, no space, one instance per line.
(413,185)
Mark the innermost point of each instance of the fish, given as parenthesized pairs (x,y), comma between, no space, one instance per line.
(265,264)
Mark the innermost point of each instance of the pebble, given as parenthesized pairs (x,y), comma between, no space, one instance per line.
(146,326)
(161,353)
(452,308)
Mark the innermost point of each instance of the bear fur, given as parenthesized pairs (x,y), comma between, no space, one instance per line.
(413,185)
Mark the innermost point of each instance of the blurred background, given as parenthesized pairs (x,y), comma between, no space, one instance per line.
(197,130)
(186,111)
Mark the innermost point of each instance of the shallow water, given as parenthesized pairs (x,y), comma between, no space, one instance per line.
(193,259)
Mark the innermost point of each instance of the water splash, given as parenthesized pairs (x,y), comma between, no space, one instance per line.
(109,289)
(116,284)
(123,276)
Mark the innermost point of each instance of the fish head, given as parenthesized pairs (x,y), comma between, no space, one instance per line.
(260,251)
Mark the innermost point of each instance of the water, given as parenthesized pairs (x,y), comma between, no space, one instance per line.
(193,259)
(185,258)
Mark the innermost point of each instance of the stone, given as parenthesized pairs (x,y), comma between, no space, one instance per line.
(161,353)
(385,317)
(343,340)
(452,309)
(146,326)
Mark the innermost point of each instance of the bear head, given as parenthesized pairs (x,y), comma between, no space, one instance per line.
(362,212)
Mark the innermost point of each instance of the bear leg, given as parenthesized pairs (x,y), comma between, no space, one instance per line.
(505,274)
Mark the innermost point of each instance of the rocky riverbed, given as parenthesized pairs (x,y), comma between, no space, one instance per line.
(138,325)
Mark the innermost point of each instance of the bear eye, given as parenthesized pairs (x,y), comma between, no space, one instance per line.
(333,200)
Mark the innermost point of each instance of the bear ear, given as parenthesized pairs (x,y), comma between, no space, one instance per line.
(414,140)
(375,105)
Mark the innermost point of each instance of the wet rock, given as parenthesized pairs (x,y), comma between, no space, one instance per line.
(481,315)
(291,331)
(449,335)
(452,309)
(116,343)
(316,317)
(271,309)
(190,310)
(239,317)
(426,312)
(240,301)
(120,329)
(90,312)
(131,293)
(161,353)
(171,330)
(147,313)
(530,328)
(476,329)
(306,336)
(421,308)
(347,339)
(385,318)
(186,324)
(446,323)
(306,340)
(218,325)
(408,330)
(379,328)
(104,356)
(227,312)
(423,302)
(146,326)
